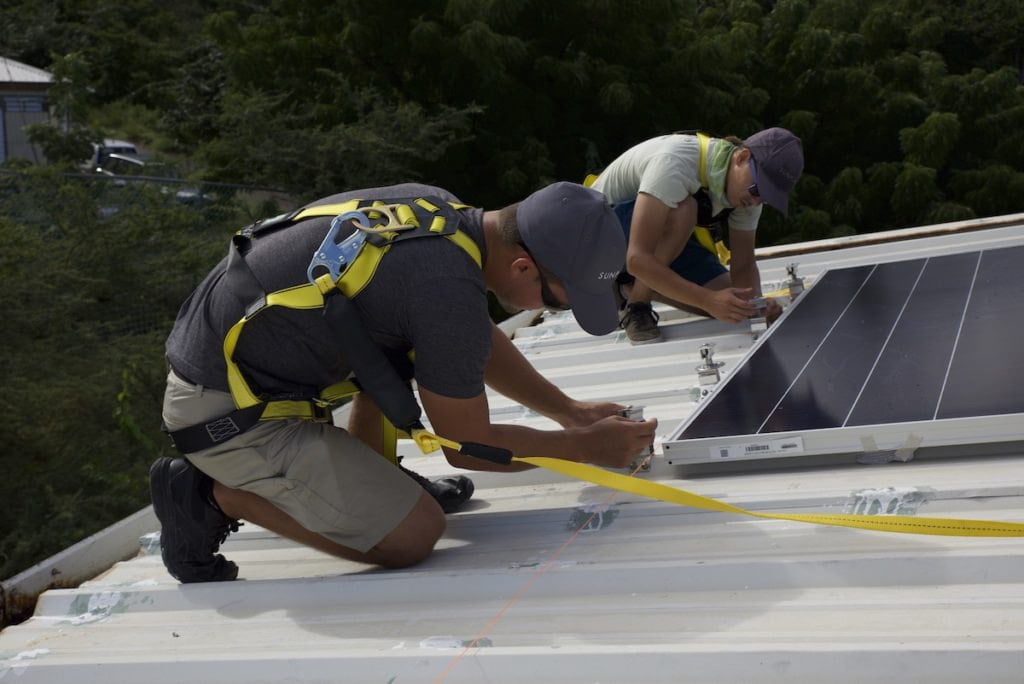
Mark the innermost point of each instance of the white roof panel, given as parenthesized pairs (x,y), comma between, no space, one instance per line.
(644,591)
(16,72)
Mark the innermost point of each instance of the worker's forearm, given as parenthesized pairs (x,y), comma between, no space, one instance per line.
(746,276)
(667,282)
(511,374)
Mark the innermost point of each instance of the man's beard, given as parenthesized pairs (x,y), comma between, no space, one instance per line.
(509,308)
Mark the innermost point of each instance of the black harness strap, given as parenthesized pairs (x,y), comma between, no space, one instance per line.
(210,434)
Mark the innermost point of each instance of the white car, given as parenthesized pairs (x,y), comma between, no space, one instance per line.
(101,152)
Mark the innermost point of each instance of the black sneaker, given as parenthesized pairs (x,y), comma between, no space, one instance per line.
(640,322)
(192,529)
(450,492)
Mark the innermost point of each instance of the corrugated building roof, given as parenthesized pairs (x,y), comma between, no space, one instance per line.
(552,579)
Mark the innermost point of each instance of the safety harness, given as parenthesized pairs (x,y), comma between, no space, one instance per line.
(336,274)
(709,231)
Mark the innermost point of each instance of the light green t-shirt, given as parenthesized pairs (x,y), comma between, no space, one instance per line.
(666,167)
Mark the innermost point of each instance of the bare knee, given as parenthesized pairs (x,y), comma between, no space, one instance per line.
(414,538)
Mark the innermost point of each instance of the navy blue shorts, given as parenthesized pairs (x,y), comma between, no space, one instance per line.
(695,263)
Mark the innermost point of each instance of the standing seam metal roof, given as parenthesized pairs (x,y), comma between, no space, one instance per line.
(564,581)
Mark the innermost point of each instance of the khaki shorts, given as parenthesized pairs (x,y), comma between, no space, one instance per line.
(319,474)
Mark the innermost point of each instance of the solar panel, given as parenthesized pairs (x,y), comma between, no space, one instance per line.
(889,357)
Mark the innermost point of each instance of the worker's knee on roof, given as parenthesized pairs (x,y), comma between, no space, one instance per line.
(414,539)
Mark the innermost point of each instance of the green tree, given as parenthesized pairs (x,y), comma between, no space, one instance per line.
(91,302)
(931,143)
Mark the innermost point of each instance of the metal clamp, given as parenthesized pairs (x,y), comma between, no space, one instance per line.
(642,461)
(795,283)
(759,321)
(707,371)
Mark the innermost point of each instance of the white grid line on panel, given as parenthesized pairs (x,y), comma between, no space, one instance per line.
(956,343)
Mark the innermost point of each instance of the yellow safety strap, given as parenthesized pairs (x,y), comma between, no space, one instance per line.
(332,394)
(703,235)
(288,409)
(703,143)
(326,210)
(905,524)
(306,296)
(707,241)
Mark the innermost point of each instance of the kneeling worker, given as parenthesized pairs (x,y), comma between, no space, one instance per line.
(667,190)
(352,285)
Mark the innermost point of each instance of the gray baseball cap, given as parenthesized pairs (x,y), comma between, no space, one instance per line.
(779,159)
(573,233)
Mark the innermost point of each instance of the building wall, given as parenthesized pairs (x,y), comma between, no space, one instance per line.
(19,109)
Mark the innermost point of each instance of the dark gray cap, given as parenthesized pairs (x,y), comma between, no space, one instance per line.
(779,158)
(573,233)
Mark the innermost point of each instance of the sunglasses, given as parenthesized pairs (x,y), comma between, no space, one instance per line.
(752,188)
(546,295)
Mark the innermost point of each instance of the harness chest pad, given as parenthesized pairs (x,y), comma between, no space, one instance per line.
(429,216)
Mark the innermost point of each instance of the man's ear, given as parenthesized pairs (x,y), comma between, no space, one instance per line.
(521,265)
(742,155)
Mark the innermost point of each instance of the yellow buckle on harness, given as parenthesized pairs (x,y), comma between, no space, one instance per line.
(428,442)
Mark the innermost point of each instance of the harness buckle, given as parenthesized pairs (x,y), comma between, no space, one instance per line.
(321,413)
(334,257)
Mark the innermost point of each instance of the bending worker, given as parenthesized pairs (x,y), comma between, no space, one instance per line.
(353,284)
(664,188)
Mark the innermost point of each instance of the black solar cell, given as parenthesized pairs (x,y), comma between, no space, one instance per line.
(986,376)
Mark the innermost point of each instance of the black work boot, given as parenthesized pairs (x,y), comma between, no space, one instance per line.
(640,321)
(192,529)
(450,492)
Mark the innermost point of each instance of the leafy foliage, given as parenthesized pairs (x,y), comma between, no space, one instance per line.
(90,303)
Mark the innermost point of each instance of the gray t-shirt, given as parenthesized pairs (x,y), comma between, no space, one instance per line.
(427,295)
(667,167)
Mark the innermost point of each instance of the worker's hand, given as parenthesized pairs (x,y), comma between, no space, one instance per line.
(583,413)
(731,304)
(772,310)
(615,441)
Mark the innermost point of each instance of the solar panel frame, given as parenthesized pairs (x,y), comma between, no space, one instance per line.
(833,403)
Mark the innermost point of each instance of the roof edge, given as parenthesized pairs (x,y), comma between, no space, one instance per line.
(863,239)
(76,564)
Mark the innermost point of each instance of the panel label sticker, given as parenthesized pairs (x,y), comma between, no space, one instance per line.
(768,447)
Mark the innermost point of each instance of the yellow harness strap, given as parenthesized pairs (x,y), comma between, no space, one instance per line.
(905,524)
(703,235)
(352,281)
